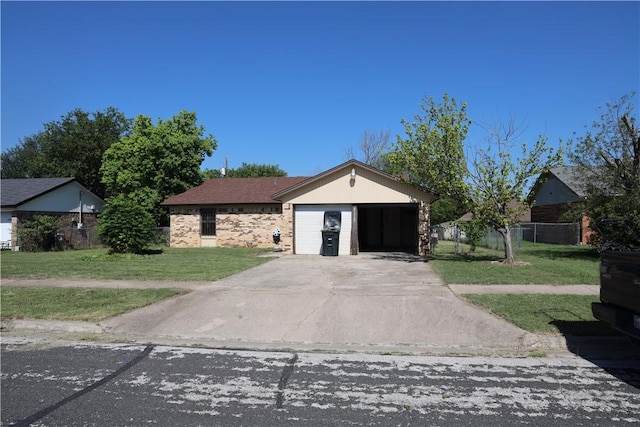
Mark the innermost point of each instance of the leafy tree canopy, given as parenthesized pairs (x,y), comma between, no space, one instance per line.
(72,146)
(246,170)
(255,170)
(608,160)
(447,209)
(432,153)
(499,181)
(157,160)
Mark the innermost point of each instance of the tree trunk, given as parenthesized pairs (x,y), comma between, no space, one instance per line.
(508,245)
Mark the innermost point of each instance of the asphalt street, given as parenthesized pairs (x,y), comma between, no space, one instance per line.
(131,385)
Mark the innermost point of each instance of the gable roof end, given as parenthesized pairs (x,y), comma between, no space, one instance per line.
(14,192)
(345,165)
(568,176)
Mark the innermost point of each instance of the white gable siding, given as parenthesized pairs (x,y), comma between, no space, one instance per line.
(366,187)
(64,199)
(554,192)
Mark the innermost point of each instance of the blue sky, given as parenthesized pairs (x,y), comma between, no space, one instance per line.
(296,83)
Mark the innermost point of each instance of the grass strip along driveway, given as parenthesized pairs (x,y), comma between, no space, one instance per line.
(543,264)
(93,305)
(539,263)
(183,264)
(77,304)
(565,314)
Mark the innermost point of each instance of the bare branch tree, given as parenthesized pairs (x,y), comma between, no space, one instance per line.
(370,148)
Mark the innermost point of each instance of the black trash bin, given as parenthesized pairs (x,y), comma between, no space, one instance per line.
(331,233)
(330,242)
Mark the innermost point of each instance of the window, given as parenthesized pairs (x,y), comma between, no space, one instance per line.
(208,222)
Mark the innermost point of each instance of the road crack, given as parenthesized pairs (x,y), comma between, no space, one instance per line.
(46,411)
(284,378)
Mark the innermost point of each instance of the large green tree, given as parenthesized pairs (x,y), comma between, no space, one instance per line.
(72,146)
(432,152)
(499,180)
(157,161)
(608,156)
(26,159)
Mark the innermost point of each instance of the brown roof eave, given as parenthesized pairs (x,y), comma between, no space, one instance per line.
(275,202)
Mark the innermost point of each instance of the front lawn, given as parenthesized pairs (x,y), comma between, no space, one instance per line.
(566,314)
(543,264)
(80,304)
(177,264)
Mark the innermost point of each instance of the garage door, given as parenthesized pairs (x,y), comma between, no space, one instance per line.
(308,221)
(5,227)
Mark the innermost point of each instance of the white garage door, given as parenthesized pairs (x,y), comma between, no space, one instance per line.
(5,227)
(308,222)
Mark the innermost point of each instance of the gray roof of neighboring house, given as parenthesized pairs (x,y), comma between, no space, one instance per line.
(569,177)
(14,192)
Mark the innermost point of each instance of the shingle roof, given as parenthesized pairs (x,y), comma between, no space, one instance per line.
(14,192)
(226,191)
(568,175)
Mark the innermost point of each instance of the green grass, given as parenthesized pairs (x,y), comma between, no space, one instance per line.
(184,264)
(566,314)
(79,304)
(545,264)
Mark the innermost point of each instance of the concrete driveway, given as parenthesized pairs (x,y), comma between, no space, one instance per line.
(375,301)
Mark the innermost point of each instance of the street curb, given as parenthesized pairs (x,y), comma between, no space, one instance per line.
(50,325)
(545,345)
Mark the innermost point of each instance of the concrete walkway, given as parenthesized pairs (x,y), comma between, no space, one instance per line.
(369,302)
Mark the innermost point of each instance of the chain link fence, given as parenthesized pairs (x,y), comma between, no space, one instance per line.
(555,233)
(558,233)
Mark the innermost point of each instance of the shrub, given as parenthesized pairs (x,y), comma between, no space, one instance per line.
(38,234)
(125,226)
(475,231)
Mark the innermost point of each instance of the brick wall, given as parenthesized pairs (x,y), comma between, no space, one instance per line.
(251,230)
(548,213)
(185,228)
(236,226)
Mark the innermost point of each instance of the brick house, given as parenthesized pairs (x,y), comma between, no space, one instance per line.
(75,205)
(378,212)
(555,193)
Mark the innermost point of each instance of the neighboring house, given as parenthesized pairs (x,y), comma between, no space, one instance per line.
(554,194)
(378,212)
(22,199)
